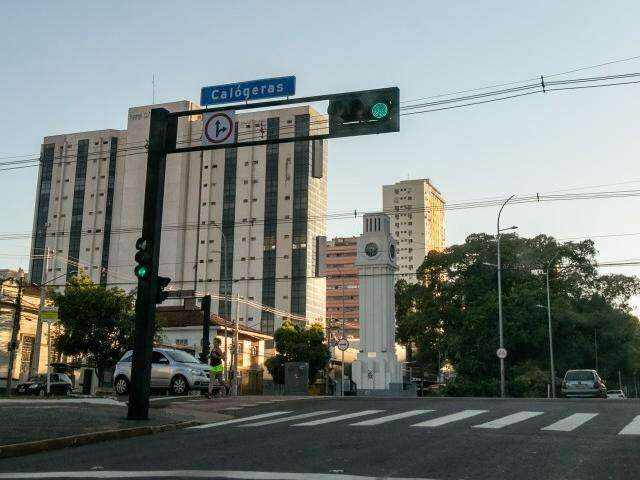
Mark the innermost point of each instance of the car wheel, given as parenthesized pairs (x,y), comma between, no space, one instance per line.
(179,385)
(121,385)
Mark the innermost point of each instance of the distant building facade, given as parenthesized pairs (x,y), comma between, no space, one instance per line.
(268,202)
(416,210)
(343,286)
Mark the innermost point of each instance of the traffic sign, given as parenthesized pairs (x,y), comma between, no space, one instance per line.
(49,314)
(251,90)
(218,127)
(501,353)
(343,344)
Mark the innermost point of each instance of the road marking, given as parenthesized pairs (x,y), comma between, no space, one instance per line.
(233,408)
(236,475)
(571,422)
(263,403)
(249,405)
(286,419)
(454,417)
(632,428)
(508,420)
(389,418)
(239,420)
(338,418)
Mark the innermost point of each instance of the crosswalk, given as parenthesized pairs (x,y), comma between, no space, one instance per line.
(475,419)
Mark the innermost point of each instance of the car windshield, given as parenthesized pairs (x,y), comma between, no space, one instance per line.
(182,357)
(579,375)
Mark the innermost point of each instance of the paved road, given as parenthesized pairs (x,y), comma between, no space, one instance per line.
(425,438)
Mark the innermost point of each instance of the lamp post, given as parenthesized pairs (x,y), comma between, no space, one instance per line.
(498,230)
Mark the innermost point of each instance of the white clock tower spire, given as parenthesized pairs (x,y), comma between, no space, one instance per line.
(377,368)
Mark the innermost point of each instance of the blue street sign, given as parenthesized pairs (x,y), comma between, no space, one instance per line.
(252,90)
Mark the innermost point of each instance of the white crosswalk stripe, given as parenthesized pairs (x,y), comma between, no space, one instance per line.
(389,418)
(508,420)
(287,419)
(239,420)
(454,417)
(338,418)
(632,428)
(571,422)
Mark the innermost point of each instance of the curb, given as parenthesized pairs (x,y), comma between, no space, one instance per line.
(27,448)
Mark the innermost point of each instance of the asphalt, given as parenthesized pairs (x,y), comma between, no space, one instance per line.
(395,448)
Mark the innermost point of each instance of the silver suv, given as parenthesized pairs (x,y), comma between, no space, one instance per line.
(171,369)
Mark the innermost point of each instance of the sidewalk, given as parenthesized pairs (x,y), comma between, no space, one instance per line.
(32,425)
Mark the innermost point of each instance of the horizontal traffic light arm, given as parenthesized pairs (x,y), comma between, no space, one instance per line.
(382,92)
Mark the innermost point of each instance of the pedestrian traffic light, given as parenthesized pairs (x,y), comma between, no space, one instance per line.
(364,113)
(144,256)
(161,295)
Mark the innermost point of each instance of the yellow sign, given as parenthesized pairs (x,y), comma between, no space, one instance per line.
(49,315)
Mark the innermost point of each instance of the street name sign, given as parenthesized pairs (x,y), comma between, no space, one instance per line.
(251,90)
(343,344)
(49,314)
(218,127)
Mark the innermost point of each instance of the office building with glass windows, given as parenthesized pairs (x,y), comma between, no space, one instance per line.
(240,221)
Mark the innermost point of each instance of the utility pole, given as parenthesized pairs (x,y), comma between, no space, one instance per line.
(342,360)
(236,324)
(551,358)
(140,385)
(619,380)
(35,353)
(206,316)
(13,344)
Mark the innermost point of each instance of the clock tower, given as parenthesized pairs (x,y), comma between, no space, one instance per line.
(376,369)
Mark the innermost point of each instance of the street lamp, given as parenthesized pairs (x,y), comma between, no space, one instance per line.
(498,230)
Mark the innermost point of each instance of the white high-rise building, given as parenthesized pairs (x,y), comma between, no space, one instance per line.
(269,201)
(416,209)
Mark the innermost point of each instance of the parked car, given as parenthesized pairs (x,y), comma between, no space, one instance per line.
(171,369)
(615,394)
(583,383)
(59,384)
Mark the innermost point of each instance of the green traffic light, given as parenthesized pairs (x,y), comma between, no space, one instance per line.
(379,110)
(141,271)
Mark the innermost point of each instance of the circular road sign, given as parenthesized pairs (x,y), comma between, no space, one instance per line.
(218,127)
(501,353)
(343,344)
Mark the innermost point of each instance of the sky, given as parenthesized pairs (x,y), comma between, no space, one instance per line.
(72,66)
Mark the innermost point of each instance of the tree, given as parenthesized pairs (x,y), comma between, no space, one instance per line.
(455,311)
(295,343)
(97,323)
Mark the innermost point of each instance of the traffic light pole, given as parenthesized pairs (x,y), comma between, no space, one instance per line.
(148,285)
(206,315)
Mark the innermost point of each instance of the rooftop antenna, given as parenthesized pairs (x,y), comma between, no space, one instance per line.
(153,82)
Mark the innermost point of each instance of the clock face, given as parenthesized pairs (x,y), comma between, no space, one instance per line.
(392,251)
(371,249)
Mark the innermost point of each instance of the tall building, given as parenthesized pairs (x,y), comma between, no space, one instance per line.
(416,209)
(343,285)
(240,221)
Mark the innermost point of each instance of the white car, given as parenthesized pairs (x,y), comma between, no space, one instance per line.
(615,394)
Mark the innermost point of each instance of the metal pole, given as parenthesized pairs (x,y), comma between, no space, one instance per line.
(48,358)
(619,380)
(35,353)
(342,364)
(206,318)
(234,383)
(13,344)
(551,359)
(595,344)
(502,380)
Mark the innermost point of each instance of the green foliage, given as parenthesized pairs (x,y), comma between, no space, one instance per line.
(295,343)
(97,322)
(455,313)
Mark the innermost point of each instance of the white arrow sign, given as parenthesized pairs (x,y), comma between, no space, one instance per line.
(218,127)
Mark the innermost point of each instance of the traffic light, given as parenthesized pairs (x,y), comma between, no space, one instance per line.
(161,295)
(144,256)
(364,113)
